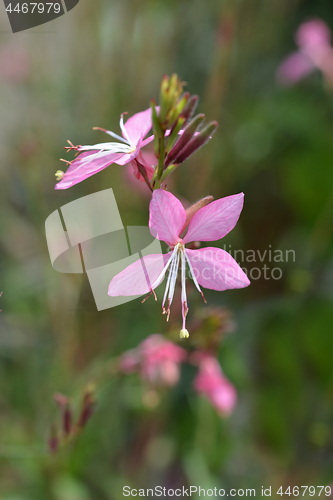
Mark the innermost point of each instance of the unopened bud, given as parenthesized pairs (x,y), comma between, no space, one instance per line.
(174,133)
(171,90)
(67,421)
(196,142)
(190,107)
(60,399)
(88,407)
(175,111)
(53,441)
(192,210)
(184,139)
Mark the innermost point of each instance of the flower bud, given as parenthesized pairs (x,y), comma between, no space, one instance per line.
(53,441)
(171,90)
(60,399)
(67,420)
(192,210)
(88,407)
(176,110)
(174,133)
(196,142)
(184,139)
(190,107)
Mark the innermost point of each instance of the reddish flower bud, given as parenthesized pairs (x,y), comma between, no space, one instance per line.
(88,407)
(196,142)
(60,399)
(67,420)
(184,139)
(53,441)
(190,107)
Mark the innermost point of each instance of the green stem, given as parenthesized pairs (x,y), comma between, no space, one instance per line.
(168,171)
(161,158)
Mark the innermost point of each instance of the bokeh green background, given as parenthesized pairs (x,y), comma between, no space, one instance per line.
(275,144)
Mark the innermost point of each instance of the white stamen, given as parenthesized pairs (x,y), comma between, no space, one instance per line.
(168,282)
(173,279)
(116,136)
(113,147)
(164,270)
(123,129)
(192,273)
(184,298)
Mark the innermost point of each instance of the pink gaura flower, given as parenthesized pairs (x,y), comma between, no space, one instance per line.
(99,156)
(209,267)
(211,382)
(315,52)
(156,359)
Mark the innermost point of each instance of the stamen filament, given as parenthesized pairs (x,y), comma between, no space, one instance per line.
(183,297)
(109,132)
(164,270)
(174,278)
(192,274)
(114,147)
(123,129)
(168,284)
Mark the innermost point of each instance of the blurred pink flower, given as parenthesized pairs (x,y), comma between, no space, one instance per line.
(211,383)
(156,359)
(14,63)
(210,267)
(99,156)
(315,52)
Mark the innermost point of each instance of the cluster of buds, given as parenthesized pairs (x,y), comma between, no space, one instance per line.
(69,427)
(177,134)
(157,361)
(210,325)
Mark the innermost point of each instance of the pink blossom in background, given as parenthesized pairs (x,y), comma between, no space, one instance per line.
(99,156)
(15,63)
(315,52)
(211,382)
(156,359)
(210,267)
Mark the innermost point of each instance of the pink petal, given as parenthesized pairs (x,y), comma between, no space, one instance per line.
(167,216)
(215,220)
(139,125)
(216,269)
(211,382)
(126,158)
(314,32)
(294,68)
(149,168)
(146,141)
(138,278)
(85,165)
